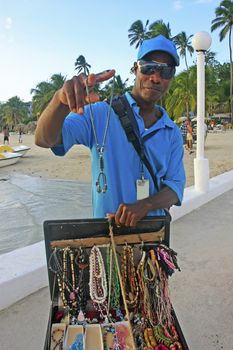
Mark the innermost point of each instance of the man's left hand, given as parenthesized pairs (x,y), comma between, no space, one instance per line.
(129,214)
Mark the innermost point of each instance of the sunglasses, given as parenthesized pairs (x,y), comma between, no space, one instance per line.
(165,70)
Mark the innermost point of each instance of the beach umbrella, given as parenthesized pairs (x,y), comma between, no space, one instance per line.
(195,119)
(182,119)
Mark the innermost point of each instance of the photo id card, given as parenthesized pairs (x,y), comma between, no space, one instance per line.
(142,189)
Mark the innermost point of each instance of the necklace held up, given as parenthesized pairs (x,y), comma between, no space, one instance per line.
(101,182)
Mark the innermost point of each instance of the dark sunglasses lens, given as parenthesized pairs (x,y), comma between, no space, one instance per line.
(165,72)
(147,69)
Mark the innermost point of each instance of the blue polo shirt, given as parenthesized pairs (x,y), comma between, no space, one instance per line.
(122,165)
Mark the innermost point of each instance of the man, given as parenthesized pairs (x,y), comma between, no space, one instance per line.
(59,130)
(183,130)
(6,135)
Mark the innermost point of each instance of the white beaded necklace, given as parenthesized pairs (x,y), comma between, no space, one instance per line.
(98,281)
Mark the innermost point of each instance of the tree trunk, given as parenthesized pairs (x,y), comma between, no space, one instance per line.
(231,78)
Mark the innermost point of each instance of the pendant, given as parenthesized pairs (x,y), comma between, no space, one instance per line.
(72,296)
(81,317)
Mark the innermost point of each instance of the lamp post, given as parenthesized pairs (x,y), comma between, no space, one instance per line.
(201,43)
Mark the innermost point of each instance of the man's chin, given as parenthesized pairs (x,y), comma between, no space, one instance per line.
(152,96)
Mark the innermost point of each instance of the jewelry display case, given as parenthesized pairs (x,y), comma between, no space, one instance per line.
(64,240)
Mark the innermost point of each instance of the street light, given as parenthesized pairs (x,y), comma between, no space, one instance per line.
(201,43)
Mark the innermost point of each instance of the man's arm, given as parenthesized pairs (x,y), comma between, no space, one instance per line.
(171,192)
(71,97)
(48,130)
(130,214)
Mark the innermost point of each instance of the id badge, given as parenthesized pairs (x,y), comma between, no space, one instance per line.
(142,188)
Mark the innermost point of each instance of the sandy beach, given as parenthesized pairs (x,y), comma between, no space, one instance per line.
(76,165)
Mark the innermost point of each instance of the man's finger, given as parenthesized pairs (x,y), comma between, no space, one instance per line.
(93,98)
(118,214)
(105,75)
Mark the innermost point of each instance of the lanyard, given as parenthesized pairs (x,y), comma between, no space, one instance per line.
(101,182)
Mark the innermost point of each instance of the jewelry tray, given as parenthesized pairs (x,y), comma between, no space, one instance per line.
(87,232)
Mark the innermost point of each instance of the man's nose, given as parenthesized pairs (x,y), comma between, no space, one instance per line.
(155,77)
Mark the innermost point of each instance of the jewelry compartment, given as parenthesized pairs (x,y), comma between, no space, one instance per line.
(79,250)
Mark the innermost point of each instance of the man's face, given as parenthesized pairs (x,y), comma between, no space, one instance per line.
(151,88)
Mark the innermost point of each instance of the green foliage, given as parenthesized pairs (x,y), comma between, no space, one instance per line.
(13,112)
(224,20)
(44,92)
(82,65)
(120,87)
(159,28)
(183,45)
(181,98)
(137,33)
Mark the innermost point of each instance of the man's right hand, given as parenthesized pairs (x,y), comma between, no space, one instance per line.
(73,93)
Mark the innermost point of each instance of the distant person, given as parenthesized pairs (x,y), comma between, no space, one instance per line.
(205,130)
(6,135)
(212,125)
(125,189)
(189,137)
(20,135)
(184,131)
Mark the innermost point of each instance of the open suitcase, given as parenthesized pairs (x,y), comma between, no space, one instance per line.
(67,235)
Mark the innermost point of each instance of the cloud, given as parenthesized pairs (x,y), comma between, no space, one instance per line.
(8,23)
(177,5)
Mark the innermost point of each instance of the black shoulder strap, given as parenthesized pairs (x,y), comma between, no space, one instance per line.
(123,109)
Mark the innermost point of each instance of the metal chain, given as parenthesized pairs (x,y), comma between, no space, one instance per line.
(101,179)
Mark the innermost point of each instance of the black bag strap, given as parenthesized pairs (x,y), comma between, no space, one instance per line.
(124,111)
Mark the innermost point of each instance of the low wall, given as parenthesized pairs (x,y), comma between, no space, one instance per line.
(24,271)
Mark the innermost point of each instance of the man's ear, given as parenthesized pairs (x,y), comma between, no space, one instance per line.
(133,70)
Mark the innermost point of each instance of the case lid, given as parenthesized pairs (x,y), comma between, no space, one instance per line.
(88,228)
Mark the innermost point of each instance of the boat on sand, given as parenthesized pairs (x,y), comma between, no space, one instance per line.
(15,149)
(9,158)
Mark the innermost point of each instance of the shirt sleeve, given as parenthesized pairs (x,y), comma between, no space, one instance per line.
(76,129)
(175,175)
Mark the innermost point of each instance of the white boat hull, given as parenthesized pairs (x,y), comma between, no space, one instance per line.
(15,149)
(9,158)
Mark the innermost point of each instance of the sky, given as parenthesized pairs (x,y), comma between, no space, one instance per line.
(39,38)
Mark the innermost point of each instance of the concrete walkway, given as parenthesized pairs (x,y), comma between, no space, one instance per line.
(201,293)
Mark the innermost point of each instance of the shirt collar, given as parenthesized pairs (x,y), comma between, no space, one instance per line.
(165,120)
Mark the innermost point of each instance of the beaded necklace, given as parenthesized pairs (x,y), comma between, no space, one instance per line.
(82,264)
(129,278)
(113,282)
(98,280)
(56,265)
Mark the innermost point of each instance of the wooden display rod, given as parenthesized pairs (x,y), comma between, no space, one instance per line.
(138,238)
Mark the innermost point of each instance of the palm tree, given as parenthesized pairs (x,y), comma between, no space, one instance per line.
(14,111)
(181,99)
(120,87)
(57,81)
(82,65)
(183,44)
(137,33)
(210,58)
(44,92)
(224,19)
(159,27)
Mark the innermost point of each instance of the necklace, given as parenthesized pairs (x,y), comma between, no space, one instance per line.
(56,264)
(101,182)
(113,283)
(129,278)
(82,264)
(98,280)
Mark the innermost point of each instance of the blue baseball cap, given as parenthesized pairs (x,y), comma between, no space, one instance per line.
(158,43)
